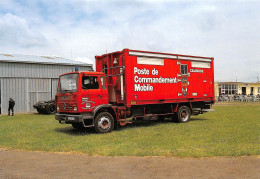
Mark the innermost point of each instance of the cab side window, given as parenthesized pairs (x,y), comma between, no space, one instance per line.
(90,82)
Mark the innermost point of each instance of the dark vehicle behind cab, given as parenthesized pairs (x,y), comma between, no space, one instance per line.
(45,107)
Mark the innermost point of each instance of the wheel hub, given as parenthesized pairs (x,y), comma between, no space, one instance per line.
(184,115)
(104,123)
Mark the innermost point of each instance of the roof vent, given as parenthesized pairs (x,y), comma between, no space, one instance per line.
(7,55)
(47,57)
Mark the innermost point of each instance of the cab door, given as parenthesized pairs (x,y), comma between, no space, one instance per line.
(92,88)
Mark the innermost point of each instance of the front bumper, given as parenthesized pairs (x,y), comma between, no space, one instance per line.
(72,118)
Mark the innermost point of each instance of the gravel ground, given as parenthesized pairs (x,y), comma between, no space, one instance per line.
(19,164)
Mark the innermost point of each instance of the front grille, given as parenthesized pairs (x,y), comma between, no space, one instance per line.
(66,106)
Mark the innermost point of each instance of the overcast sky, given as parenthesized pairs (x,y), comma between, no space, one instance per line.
(229,31)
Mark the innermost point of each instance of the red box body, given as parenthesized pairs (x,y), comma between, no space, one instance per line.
(141,77)
(136,85)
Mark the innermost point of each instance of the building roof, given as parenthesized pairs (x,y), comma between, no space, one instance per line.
(15,58)
(232,82)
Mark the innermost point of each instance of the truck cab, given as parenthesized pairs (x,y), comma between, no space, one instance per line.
(79,96)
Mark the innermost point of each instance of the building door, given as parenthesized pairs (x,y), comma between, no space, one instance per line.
(252,91)
(243,90)
(38,90)
(54,84)
(38,96)
(32,100)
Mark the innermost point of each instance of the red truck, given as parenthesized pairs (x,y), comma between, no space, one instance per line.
(130,85)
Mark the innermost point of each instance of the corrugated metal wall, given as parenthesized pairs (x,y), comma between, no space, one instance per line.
(15,88)
(29,83)
(54,84)
(25,92)
(28,70)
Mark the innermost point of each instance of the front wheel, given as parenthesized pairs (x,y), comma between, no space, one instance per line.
(104,122)
(183,114)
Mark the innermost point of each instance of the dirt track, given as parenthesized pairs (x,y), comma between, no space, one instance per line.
(16,164)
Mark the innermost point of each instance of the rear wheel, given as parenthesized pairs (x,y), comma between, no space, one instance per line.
(104,122)
(183,114)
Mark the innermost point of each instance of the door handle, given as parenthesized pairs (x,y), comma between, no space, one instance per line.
(99,96)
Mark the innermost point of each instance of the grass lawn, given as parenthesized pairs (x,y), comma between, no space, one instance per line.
(232,130)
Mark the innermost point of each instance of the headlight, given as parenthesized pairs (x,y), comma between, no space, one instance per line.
(75,108)
(58,108)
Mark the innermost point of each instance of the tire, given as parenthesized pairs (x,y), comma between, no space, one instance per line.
(77,125)
(183,114)
(51,109)
(104,122)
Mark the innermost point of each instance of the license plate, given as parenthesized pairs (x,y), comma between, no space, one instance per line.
(71,118)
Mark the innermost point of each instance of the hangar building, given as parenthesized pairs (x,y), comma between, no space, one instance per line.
(29,79)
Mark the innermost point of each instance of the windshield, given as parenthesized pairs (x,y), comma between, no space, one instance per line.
(68,83)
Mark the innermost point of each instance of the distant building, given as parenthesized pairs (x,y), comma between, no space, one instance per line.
(237,88)
(29,79)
